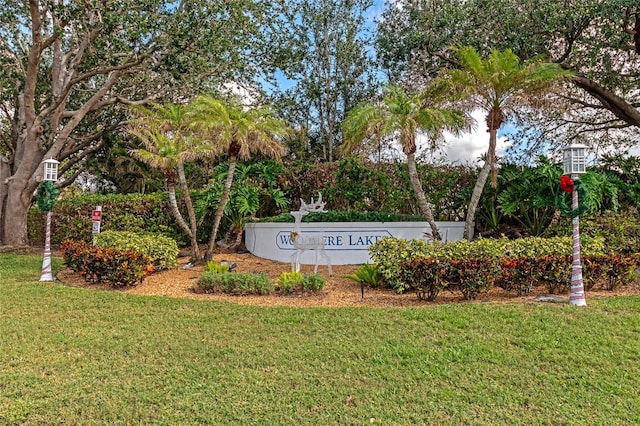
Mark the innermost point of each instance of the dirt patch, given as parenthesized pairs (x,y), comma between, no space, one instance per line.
(338,291)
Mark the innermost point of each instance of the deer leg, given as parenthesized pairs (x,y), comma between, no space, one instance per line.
(315,270)
(326,256)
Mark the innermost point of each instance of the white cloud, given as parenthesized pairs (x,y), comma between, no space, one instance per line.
(469,147)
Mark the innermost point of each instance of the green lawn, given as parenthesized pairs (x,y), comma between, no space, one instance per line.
(74,356)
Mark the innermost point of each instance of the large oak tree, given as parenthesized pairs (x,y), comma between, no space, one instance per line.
(68,67)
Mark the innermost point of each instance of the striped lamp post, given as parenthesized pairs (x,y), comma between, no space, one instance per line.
(50,175)
(574,164)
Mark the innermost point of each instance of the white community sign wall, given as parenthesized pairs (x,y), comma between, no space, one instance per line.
(346,243)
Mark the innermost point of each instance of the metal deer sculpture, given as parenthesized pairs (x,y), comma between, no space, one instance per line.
(302,241)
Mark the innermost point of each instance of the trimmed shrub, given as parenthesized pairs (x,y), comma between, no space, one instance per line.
(289,282)
(148,213)
(346,216)
(473,276)
(516,274)
(121,268)
(427,276)
(392,253)
(237,283)
(163,251)
(620,232)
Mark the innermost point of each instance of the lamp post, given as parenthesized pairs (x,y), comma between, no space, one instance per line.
(47,190)
(574,164)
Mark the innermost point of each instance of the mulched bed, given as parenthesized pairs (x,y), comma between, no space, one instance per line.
(338,291)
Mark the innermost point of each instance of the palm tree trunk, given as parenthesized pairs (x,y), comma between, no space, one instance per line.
(480,182)
(223,203)
(173,203)
(422,200)
(195,250)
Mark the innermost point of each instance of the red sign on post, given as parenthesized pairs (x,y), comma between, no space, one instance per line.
(96,215)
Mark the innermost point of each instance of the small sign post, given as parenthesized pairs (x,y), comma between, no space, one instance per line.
(96,218)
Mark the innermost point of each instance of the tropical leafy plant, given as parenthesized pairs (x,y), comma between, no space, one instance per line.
(252,189)
(528,194)
(368,274)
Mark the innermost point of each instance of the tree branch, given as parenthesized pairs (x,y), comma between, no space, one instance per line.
(617,105)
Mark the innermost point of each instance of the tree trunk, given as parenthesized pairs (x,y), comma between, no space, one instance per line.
(223,203)
(422,200)
(5,172)
(14,216)
(195,250)
(494,120)
(475,200)
(173,203)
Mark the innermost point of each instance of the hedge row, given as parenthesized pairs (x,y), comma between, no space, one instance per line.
(71,218)
(429,276)
(392,254)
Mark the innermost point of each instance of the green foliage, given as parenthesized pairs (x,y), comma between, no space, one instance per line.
(216,267)
(474,275)
(527,194)
(624,173)
(346,216)
(294,281)
(427,276)
(288,281)
(358,186)
(392,254)
(253,191)
(368,274)
(121,268)
(142,213)
(620,232)
(237,284)
(313,282)
(162,251)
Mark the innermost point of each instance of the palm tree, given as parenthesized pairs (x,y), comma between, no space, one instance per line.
(402,115)
(241,132)
(168,145)
(499,85)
